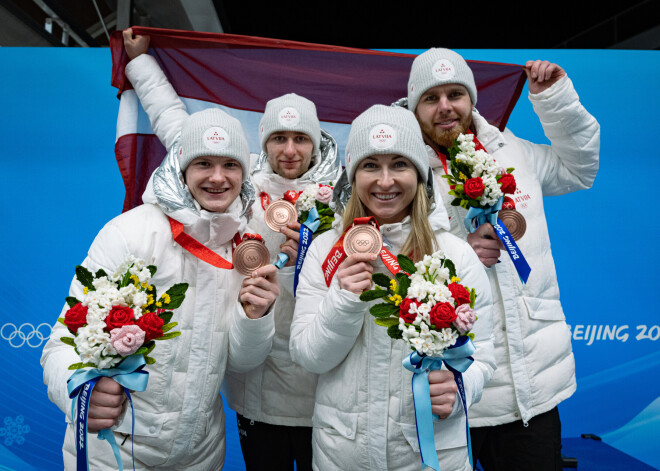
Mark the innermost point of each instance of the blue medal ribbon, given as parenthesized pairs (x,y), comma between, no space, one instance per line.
(130,374)
(481,216)
(457,359)
(307,230)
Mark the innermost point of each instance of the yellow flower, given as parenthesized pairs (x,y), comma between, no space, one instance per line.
(135,280)
(144,285)
(150,299)
(393,285)
(166,298)
(455,279)
(396,298)
(150,288)
(462,177)
(159,304)
(85,290)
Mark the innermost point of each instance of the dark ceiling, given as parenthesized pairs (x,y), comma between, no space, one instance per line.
(463,25)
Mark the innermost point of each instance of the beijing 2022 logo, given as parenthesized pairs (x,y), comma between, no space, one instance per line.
(26,334)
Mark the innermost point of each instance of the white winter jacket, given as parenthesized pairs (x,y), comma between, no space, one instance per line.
(179,419)
(535,365)
(278,391)
(364,415)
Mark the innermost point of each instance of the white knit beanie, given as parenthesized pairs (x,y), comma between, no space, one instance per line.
(438,66)
(290,112)
(386,130)
(213,132)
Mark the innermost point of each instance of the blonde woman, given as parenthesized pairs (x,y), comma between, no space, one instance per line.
(364,413)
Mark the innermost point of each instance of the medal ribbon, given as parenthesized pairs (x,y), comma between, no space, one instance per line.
(337,253)
(457,359)
(478,216)
(197,249)
(130,374)
(265,199)
(307,230)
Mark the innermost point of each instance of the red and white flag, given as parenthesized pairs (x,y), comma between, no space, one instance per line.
(241,73)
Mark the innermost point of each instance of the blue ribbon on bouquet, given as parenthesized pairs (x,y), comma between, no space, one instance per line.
(307,230)
(481,216)
(130,374)
(457,358)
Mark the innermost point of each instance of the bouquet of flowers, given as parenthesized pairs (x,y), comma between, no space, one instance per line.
(316,196)
(425,304)
(476,181)
(119,315)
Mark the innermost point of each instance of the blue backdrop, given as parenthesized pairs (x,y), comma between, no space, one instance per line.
(60,184)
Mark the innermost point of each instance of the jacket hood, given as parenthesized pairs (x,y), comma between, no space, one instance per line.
(323,171)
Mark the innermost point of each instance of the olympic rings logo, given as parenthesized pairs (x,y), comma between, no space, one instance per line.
(362,242)
(25,334)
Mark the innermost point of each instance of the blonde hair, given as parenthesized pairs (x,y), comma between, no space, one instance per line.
(421,240)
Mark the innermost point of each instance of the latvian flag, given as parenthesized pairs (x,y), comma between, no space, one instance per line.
(240,74)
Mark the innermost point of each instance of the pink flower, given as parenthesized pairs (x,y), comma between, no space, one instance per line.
(465,317)
(127,339)
(324,195)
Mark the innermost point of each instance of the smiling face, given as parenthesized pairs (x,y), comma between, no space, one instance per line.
(386,185)
(289,153)
(444,112)
(215,182)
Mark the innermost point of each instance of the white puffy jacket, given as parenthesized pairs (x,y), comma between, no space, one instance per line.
(535,364)
(364,415)
(179,419)
(278,391)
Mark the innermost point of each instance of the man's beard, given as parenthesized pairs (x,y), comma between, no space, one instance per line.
(443,137)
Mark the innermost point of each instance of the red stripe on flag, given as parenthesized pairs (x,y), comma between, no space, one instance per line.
(138,155)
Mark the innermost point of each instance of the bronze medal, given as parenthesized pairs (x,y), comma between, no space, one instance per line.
(250,255)
(280,213)
(363,238)
(514,222)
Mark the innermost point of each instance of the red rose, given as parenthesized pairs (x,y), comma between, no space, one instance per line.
(460,294)
(474,188)
(507,183)
(404,311)
(119,316)
(442,315)
(152,326)
(76,317)
(508,203)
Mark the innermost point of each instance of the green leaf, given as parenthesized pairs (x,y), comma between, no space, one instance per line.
(166,316)
(177,294)
(71,301)
(142,351)
(473,297)
(384,310)
(387,321)
(381,279)
(152,269)
(61,321)
(149,360)
(510,170)
(150,346)
(471,336)
(404,284)
(372,294)
(77,366)
(100,273)
(169,335)
(450,265)
(169,326)
(68,341)
(85,277)
(394,332)
(406,264)
(456,202)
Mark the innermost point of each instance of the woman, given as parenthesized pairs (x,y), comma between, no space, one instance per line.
(364,412)
(225,320)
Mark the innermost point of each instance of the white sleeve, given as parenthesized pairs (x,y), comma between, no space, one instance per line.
(165,109)
(570,163)
(326,322)
(250,340)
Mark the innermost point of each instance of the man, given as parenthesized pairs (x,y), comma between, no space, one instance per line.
(225,321)
(275,401)
(516,425)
